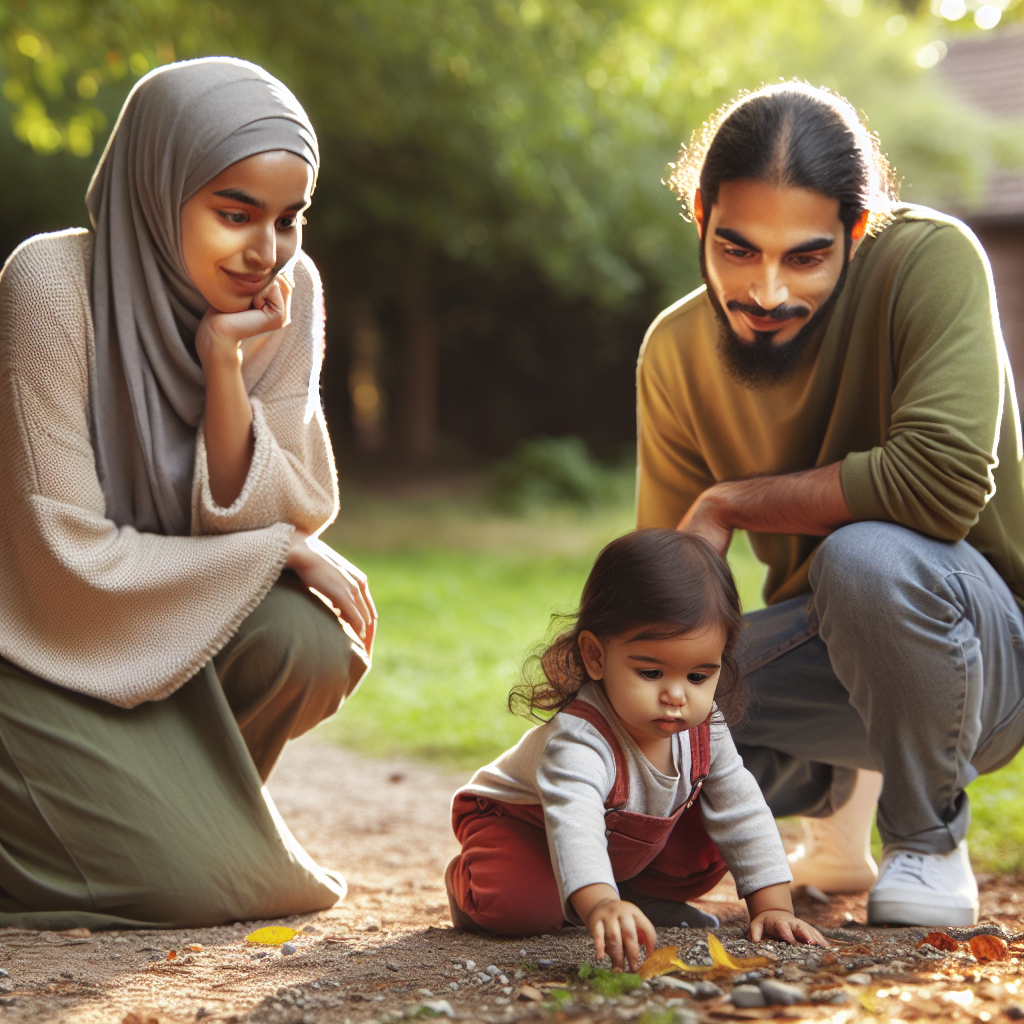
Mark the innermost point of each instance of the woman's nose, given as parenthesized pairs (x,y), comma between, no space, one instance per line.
(262,249)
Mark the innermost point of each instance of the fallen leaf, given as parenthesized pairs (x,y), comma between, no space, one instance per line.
(722,958)
(940,940)
(275,935)
(173,955)
(338,938)
(988,947)
(665,961)
(528,994)
(196,947)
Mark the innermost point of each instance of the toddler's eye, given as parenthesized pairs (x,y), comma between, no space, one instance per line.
(696,677)
(650,673)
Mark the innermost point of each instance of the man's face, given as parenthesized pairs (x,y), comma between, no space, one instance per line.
(773,258)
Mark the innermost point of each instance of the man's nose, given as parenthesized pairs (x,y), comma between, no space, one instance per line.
(769,291)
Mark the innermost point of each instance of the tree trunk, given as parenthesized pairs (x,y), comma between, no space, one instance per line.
(364,386)
(417,423)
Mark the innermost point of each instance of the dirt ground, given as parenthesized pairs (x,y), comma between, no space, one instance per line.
(388,951)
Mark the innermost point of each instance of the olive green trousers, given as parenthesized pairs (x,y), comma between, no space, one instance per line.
(157,817)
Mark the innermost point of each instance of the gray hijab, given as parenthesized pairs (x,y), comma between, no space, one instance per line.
(181,126)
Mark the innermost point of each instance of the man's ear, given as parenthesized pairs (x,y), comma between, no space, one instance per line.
(858,231)
(592,652)
(698,214)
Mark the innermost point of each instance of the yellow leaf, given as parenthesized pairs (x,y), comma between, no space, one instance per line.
(722,958)
(665,961)
(272,936)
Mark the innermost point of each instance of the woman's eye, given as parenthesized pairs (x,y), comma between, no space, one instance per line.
(650,673)
(234,216)
(696,677)
(287,223)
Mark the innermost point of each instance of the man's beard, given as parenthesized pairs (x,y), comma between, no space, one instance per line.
(763,363)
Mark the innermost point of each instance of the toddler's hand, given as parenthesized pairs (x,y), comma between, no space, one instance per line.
(780,924)
(618,928)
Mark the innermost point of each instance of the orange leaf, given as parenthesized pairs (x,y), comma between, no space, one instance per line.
(666,961)
(723,958)
(988,947)
(940,940)
(173,955)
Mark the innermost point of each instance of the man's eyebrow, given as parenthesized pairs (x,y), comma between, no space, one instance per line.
(736,238)
(811,246)
(241,196)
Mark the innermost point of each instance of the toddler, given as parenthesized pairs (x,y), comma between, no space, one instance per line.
(631,799)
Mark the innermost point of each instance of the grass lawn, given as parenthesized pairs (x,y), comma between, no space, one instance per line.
(464,595)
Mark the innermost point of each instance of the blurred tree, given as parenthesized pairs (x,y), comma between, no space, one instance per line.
(491,187)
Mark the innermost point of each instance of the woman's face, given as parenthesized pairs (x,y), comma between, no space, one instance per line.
(242,227)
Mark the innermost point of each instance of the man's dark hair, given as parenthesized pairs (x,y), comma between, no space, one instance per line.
(790,135)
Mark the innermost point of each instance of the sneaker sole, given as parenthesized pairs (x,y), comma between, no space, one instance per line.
(898,912)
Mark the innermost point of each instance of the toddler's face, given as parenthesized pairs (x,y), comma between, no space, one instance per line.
(657,687)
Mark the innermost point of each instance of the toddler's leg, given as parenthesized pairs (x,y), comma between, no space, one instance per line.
(502,880)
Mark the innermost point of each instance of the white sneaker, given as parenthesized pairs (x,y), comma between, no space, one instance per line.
(932,889)
(835,855)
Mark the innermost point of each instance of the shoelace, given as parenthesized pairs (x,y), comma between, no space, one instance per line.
(906,867)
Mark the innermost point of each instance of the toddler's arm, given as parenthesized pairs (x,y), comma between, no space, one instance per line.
(615,925)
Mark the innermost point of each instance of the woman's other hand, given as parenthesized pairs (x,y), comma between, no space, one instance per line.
(336,581)
(229,339)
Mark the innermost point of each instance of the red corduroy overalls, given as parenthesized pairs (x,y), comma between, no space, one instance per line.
(503,878)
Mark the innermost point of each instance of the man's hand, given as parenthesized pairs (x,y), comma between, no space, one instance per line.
(810,504)
(337,582)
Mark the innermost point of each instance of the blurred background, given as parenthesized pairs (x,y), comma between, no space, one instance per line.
(494,238)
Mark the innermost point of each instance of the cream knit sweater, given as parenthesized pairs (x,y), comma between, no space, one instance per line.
(106,610)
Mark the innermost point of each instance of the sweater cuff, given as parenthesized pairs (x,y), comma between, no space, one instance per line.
(859,490)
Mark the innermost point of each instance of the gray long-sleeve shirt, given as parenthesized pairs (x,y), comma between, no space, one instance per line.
(568,768)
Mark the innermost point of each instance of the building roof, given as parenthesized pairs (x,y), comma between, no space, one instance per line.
(987,72)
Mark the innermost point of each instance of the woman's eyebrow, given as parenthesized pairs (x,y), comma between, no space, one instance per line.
(241,196)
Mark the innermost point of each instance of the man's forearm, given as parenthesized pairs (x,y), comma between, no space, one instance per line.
(809,503)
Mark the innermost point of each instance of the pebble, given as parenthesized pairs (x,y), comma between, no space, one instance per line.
(858,979)
(470,965)
(751,976)
(426,992)
(493,971)
(707,990)
(522,952)
(287,949)
(3,973)
(833,996)
(778,993)
(260,955)
(546,963)
(1014,1012)
(441,1006)
(392,966)
(519,975)
(747,997)
(503,979)
(676,983)
(483,976)
(371,924)
(454,986)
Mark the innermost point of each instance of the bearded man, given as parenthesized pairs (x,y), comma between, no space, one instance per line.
(839,388)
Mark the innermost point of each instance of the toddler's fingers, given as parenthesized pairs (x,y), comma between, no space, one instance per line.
(648,933)
(785,932)
(599,940)
(613,943)
(756,930)
(631,944)
(809,934)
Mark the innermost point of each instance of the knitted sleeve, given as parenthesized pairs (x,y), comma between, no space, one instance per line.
(105,610)
(292,478)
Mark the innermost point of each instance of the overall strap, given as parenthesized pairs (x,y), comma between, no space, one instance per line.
(700,752)
(620,789)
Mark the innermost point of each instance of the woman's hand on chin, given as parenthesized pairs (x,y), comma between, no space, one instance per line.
(229,338)
(335,580)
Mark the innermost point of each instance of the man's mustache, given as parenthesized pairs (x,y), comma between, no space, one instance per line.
(780,312)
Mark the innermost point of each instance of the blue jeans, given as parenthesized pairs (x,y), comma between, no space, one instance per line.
(907,658)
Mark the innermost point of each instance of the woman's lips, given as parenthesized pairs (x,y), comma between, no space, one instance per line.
(248,284)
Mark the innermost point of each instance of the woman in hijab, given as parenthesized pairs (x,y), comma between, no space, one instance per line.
(164,473)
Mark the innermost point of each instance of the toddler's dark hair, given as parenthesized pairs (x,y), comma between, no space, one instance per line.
(659,583)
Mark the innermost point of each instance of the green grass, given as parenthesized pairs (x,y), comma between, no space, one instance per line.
(465,594)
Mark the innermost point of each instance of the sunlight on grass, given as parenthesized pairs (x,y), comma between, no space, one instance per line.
(465,594)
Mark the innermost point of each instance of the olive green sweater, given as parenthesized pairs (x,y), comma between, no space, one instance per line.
(908,384)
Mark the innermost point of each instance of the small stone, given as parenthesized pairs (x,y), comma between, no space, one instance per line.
(519,975)
(502,979)
(546,963)
(858,979)
(778,993)
(522,952)
(371,924)
(309,929)
(545,936)
(483,976)
(747,997)
(260,955)
(493,971)
(392,966)
(287,949)
(707,990)
(529,994)
(832,996)
(441,1007)
(507,989)
(426,992)
(1014,1012)
(470,965)
(121,939)
(675,983)
(3,973)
